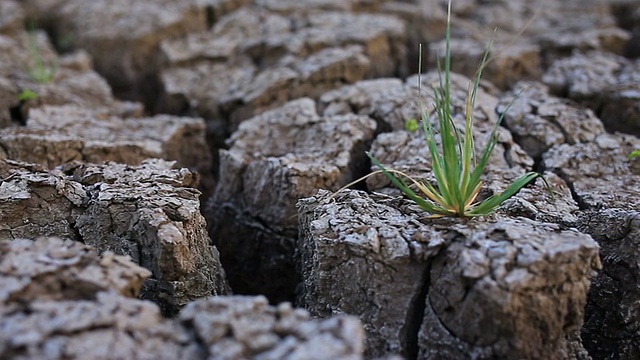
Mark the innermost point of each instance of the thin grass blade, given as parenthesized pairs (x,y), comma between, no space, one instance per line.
(492,203)
(471,179)
(424,204)
(449,136)
(437,162)
(429,191)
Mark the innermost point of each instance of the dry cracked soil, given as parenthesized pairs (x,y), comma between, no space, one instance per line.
(168,168)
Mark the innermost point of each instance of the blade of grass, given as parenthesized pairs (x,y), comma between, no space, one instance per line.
(427,127)
(468,183)
(438,161)
(491,204)
(424,204)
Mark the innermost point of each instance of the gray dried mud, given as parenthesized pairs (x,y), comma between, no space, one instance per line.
(252,213)
(72,303)
(177,151)
(383,261)
(150,213)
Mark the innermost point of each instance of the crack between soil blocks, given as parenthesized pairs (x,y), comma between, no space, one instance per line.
(76,231)
(574,195)
(415,316)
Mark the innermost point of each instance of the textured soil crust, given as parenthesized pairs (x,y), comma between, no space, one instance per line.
(167,170)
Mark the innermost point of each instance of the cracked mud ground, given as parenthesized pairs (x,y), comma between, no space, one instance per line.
(197,138)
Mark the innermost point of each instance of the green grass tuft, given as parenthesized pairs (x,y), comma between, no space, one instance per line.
(28,94)
(456,166)
(39,71)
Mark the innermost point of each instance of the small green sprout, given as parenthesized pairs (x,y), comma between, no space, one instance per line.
(456,167)
(40,71)
(28,94)
(412,125)
(634,154)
